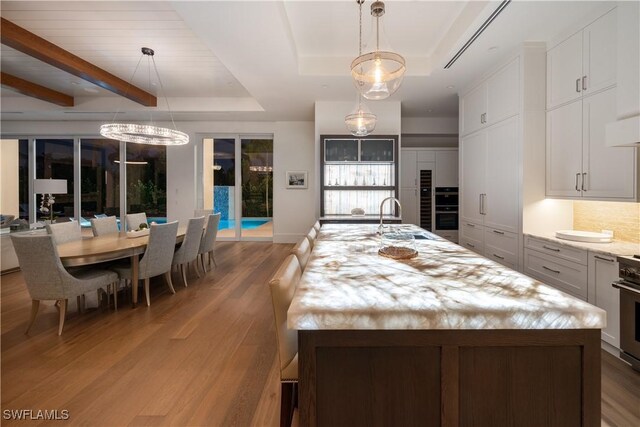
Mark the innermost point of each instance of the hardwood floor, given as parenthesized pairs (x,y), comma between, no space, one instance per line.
(203,357)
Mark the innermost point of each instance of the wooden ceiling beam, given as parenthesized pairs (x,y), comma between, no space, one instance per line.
(26,42)
(34,90)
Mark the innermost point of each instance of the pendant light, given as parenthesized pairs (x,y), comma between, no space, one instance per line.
(361,122)
(378,73)
(145,134)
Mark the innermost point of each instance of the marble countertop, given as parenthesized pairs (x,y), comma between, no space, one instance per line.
(347,285)
(615,248)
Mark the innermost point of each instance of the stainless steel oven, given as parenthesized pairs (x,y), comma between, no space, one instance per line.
(629,285)
(446,218)
(446,196)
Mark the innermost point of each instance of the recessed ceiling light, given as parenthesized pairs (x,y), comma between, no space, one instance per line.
(493,48)
(430,110)
(325,86)
(450,87)
(75,83)
(91,90)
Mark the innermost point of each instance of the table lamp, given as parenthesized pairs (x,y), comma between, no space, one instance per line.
(48,187)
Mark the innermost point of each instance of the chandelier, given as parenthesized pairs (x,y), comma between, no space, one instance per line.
(361,122)
(377,74)
(145,134)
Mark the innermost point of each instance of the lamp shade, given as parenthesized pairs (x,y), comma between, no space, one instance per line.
(50,186)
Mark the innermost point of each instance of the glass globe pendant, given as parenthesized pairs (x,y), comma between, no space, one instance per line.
(361,122)
(379,73)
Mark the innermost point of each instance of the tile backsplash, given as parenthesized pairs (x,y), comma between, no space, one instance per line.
(623,218)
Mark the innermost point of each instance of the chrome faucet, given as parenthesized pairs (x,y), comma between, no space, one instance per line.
(381,227)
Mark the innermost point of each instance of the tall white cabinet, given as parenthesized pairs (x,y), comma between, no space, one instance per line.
(581,101)
(492,178)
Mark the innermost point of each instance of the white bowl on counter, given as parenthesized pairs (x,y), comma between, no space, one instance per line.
(137,233)
(584,236)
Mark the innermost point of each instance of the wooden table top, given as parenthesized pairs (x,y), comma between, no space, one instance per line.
(105,248)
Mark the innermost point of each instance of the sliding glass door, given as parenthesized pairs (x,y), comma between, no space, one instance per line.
(238,183)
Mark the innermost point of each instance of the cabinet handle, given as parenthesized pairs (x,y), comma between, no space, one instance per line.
(584,82)
(577,177)
(578,85)
(498,232)
(550,269)
(470,245)
(603,258)
(415,191)
(484,202)
(498,256)
(415,181)
(471,225)
(480,203)
(550,248)
(584,178)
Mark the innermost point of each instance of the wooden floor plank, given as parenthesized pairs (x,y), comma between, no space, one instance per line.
(205,356)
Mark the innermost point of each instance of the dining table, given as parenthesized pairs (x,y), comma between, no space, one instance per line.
(110,247)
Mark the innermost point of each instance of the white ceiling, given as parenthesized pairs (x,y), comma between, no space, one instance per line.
(269,60)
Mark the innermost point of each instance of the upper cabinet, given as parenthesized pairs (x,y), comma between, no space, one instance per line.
(581,101)
(582,64)
(496,99)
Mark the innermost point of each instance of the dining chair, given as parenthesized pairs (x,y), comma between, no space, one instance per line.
(317,226)
(202,212)
(47,279)
(282,287)
(134,220)
(208,242)
(302,251)
(312,236)
(102,226)
(188,250)
(156,260)
(64,232)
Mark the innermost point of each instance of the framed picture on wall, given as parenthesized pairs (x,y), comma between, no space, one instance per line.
(297,179)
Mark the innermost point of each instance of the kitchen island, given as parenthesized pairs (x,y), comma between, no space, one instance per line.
(447,338)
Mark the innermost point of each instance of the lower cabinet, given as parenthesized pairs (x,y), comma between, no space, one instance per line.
(584,274)
(603,271)
(498,245)
(452,235)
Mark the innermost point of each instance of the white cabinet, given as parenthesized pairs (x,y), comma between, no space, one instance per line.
(582,64)
(491,101)
(446,168)
(409,201)
(473,151)
(579,162)
(408,165)
(599,54)
(603,271)
(490,176)
(608,172)
(564,150)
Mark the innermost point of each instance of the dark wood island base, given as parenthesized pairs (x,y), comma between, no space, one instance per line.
(449,377)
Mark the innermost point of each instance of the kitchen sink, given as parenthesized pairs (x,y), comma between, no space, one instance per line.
(584,236)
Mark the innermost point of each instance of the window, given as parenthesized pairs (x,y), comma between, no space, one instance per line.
(100,177)
(54,159)
(147,181)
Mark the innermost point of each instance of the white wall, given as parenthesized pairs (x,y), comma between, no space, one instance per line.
(329,120)
(429,125)
(294,210)
(293,150)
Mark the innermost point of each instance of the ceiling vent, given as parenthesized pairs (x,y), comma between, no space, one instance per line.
(475,35)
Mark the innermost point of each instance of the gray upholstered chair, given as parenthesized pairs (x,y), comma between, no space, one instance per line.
(134,220)
(208,242)
(302,251)
(47,279)
(188,251)
(103,226)
(317,226)
(157,257)
(282,286)
(312,236)
(64,232)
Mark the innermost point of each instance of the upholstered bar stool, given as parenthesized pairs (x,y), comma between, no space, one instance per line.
(302,251)
(282,286)
(312,236)
(317,226)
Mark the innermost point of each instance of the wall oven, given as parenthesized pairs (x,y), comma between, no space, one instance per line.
(629,285)
(446,207)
